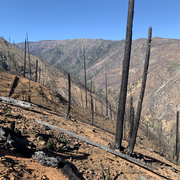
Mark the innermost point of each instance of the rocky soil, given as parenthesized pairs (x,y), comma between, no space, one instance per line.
(84,159)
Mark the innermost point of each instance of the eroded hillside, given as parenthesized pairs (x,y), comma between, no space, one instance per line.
(105,57)
(83,158)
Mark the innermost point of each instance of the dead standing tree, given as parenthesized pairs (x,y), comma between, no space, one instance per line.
(140,101)
(106,96)
(131,117)
(85,76)
(36,70)
(125,74)
(176,158)
(69,100)
(92,111)
(24,60)
(29,56)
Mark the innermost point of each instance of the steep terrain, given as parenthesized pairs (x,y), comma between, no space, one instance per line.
(105,57)
(48,75)
(83,158)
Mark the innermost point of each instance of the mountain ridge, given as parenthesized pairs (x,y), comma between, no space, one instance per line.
(163,71)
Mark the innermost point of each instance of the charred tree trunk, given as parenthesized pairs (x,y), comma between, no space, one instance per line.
(106,96)
(92,109)
(36,70)
(125,74)
(69,100)
(14,85)
(25,60)
(39,74)
(29,57)
(177,138)
(110,111)
(131,117)
(85,77)
(140,101)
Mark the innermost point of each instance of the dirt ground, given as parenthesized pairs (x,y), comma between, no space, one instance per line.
(84,159)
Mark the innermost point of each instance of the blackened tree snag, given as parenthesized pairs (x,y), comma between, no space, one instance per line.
(124,78)
(85,76)
(36,70)
(24,59)
(106,96)
(110,111)
(14,85)
(131,117)
(140,101)
(177,138)
(29,56)
(69,100)
(39,74)
(92,108)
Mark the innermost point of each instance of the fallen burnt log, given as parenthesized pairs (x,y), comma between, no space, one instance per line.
(15,102)
(98,145)
(55,162)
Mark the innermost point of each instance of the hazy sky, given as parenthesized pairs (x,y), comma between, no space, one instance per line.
(95,19)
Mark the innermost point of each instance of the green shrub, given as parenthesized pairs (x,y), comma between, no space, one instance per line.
(50,145)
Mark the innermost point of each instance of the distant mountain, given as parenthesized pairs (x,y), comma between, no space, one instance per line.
(161,99)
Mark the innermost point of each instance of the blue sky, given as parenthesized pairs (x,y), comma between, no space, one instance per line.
(94,19)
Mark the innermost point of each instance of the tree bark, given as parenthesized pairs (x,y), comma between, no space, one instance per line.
(25,60)
(124,78)
(85,77)
(131,117)
(140,101)
(69,100)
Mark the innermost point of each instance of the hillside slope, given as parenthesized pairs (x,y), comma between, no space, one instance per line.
(83,158)
(105,57)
